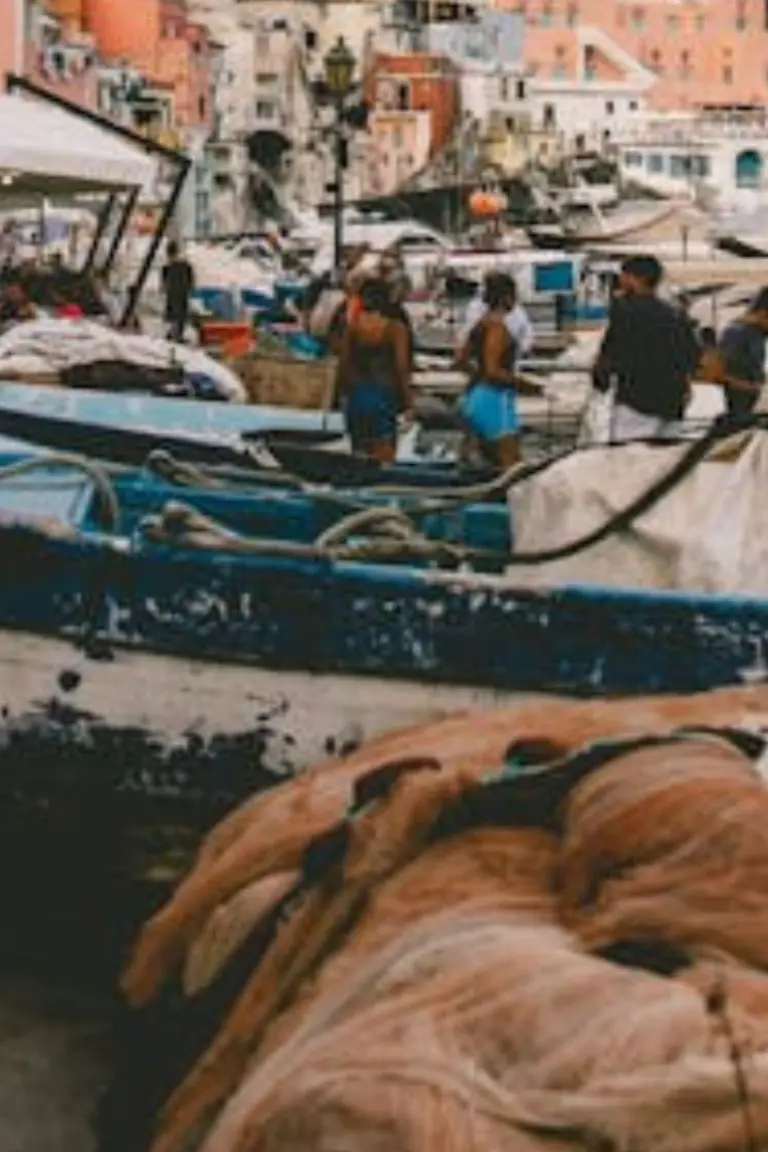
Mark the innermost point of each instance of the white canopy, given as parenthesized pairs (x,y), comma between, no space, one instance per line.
(48,150)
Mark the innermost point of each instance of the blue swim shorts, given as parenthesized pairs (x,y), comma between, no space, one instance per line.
(490,411)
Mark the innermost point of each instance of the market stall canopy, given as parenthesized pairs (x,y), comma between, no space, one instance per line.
(47,150)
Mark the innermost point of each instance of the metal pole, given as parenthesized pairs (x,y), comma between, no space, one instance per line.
(102,224)
(338,189)
(137,287)
(13,82)
(117,239)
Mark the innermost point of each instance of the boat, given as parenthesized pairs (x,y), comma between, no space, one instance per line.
(189,661)
(129,429)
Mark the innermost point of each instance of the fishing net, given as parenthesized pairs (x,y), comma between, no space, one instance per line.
(500,932)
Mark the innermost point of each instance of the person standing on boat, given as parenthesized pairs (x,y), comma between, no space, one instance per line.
(649,354)
(374,374)
(518,321)
(742,357)
(489,406)
(178,284)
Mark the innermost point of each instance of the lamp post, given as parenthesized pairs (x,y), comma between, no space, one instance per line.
(339,72)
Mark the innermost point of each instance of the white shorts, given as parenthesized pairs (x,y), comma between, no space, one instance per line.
(629,424)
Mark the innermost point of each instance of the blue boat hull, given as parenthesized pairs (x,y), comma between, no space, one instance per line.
(357,619)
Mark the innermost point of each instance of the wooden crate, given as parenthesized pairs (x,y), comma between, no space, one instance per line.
(287,383)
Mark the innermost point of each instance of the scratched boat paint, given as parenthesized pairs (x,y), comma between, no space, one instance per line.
(160,669)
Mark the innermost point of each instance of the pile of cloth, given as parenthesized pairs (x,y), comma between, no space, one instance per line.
(531,930)
(60,347)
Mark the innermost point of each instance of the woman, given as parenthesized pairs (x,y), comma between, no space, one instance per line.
(374,378)
(489,405)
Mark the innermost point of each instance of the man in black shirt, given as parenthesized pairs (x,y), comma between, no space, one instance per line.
(178,284)
(649,354)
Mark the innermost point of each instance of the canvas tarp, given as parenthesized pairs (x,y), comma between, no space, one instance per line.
(49,150)
(710,534)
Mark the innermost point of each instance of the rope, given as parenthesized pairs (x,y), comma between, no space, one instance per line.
(426,500)
(403,541)
(92,470)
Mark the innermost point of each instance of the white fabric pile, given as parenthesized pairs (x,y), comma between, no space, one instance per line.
(708,535)
(50,345)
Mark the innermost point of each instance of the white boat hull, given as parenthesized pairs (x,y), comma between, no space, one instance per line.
(171,718)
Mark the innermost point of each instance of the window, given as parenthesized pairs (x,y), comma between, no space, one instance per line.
(590,69)
(679,167)
(633,105)
(657,64)
(610,107)
(741,16)
(685,65)
(638,19)
(656,162)
(310,39)
(546,16)
(403,97)
(202,107)
(572,15)
(266,79)
(520,90)
(265,109)
(727,74)
(749,169)
(633,159)
(673,24)
(700,21)
(262,45)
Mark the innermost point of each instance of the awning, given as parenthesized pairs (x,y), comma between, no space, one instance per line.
(45,149)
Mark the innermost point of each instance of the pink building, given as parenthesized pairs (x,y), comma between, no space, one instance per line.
(157,37)
(704,52)
(11,36)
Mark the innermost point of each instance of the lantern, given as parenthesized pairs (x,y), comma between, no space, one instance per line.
(339,68)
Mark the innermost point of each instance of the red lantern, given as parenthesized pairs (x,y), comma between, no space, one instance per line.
(485,204)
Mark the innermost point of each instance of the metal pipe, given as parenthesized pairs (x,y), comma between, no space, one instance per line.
(14,82)
(125,216)
(102,224)
(338,190)
(137,287)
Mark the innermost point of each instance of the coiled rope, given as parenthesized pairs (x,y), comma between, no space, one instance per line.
(399,538)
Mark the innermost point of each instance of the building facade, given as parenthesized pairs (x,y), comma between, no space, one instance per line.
(702,52)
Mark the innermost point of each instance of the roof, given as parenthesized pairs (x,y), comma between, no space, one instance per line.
(46,149)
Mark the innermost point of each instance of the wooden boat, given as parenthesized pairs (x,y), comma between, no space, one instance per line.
(127,429)
(194,665)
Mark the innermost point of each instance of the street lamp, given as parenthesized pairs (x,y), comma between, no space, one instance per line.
(339,72)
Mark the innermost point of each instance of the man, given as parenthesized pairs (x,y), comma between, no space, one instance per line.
(178,284)
(518,322)
(649,354)
(742,357)
(10,247)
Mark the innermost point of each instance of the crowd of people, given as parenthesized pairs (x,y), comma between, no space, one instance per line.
(652,352)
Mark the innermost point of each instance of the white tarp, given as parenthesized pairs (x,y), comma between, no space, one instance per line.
(50,345)
(40,142)
(710,534)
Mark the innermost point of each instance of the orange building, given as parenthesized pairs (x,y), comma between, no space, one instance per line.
(11,36)
(417,82)
(157,37)
(704,52)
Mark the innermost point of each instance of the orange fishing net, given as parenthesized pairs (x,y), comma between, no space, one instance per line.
(446,968)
